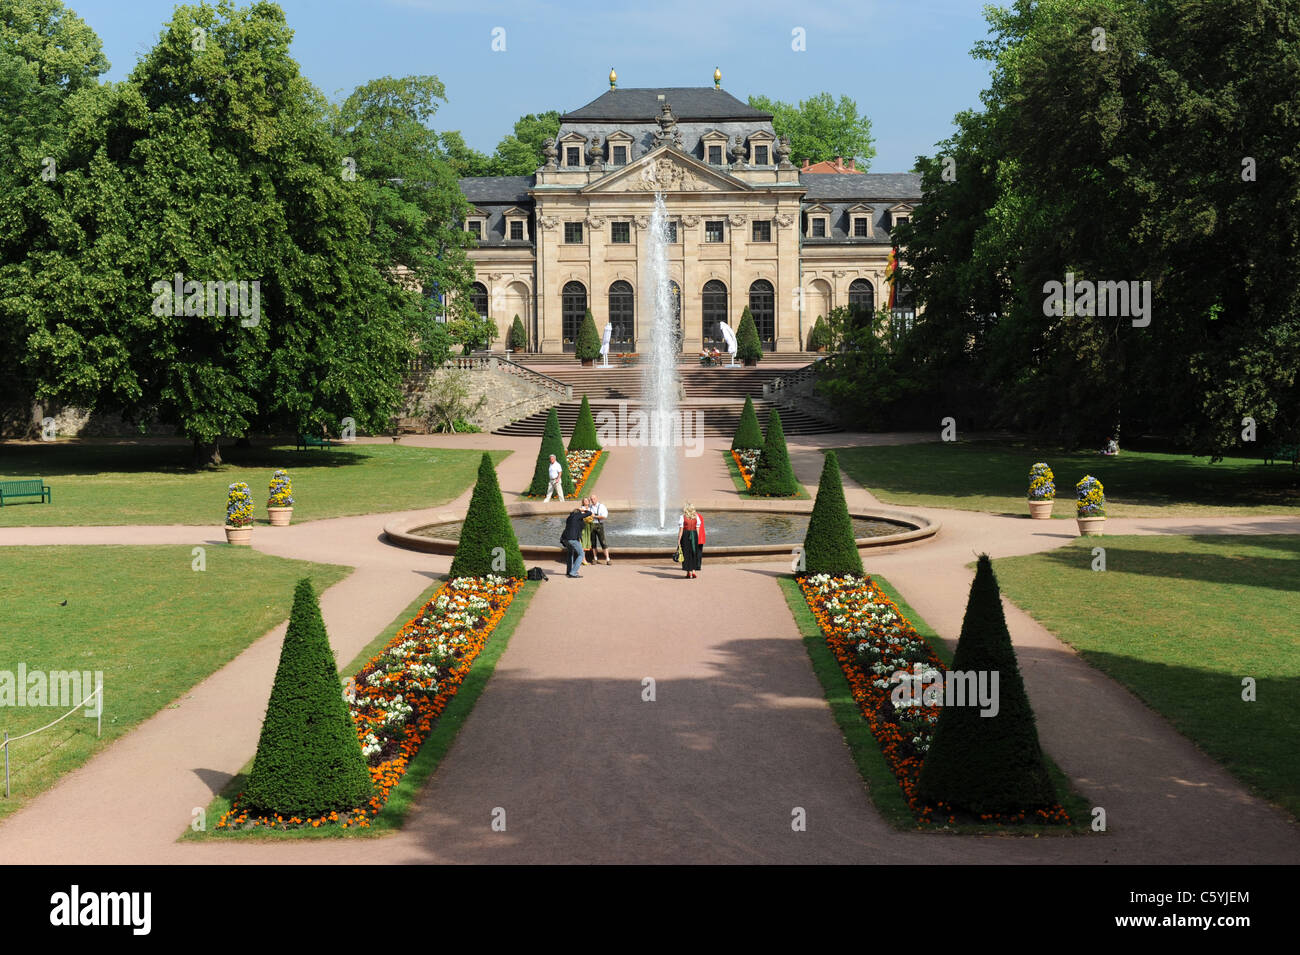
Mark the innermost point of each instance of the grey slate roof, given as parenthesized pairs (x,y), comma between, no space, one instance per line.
(861,185)
(511,189)
(688,103)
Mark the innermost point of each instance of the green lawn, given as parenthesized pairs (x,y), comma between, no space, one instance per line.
(434,748)
(1181,621)
(142,616)
(152,484)
(989,476)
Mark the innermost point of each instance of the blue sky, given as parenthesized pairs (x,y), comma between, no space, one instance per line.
(907,63)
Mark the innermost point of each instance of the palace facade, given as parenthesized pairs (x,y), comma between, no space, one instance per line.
(746,226)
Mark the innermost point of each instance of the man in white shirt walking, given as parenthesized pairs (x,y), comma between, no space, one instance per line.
(554,484)
(599,513)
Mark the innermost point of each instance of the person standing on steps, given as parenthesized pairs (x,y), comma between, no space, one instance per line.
(554,484)
(599,514)
(571,538)
(690,537)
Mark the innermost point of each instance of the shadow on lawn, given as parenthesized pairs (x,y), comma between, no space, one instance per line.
(70,458)
(1276,573)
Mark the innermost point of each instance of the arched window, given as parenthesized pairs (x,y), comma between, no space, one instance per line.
(478,297)
(573,306)
(714,309)
(762,305)
(623,335)
(862,297)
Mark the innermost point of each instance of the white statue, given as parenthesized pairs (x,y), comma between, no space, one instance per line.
(604,343)
(732,345)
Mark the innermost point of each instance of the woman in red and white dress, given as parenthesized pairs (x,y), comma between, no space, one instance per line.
(690,540)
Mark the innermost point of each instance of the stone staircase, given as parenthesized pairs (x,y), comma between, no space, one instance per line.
(715,395)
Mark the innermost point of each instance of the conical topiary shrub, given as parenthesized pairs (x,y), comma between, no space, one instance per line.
(552,443)
(817,338)
(487,527)
(829,546)
(748,434)
(749,347)
(518,338)
(309,758)
(587,345)
(773,476)
(584,431)
(987,764)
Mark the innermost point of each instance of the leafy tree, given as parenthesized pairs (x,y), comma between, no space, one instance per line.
(464,161)
(829,546)
(520,152)
(981,763)
(518,336)
(773,475)
(552,443)
(488,544)
(748,433)
(866,380)
(217,165)
(749,347)
(818,337)
(587,347)
(48,55)
(584,436)
(309,759)
(821,128)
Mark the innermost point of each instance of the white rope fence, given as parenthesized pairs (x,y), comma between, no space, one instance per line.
(99,725)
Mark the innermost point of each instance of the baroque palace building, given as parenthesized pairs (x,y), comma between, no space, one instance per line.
(746,226)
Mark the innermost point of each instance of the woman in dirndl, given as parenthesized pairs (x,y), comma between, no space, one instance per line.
(690,540)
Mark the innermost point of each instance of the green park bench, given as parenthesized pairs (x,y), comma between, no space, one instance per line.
(306,441)
(1282,452)
(37,488)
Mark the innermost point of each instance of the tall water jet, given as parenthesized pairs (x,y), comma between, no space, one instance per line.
(660,387)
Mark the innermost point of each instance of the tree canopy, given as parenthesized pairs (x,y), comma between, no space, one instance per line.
(821,128)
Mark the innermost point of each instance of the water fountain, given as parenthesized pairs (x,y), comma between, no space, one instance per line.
(657,462)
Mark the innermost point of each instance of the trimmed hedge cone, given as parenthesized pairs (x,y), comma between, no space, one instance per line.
(749,347)
(587,345)
(308,759)
(487,527)
(518,338)
(749,436)
(829,546)
(584,431)
(774,477)
(552,443)
(987,764)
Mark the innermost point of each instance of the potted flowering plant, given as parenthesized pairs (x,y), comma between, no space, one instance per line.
(1042,491)
(279,501)
(239,514)
(1090,506)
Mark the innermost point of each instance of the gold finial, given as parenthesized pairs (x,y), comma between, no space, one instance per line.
(613,78)
(717,78)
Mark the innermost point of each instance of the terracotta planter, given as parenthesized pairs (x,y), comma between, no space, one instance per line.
(280,516)
(1091,526)
(1041,510)
(588,362)
(751,362)
(239,535)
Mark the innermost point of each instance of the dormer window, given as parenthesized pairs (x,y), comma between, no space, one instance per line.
(860,221)
(760,156)
(618,147)
(715,155)
(819,221)
(572,156)
(516,220)
(760,148)
(476,224)
(714,147)
(901,213)
(860,229)
(619,157)
(817,225)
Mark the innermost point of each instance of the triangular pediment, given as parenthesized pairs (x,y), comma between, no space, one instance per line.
(667,170)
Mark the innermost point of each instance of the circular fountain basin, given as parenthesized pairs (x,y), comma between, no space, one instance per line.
(761,529)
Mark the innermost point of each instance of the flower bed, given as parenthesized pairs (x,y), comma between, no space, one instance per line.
(581,464)
(398,694)
(878,649)
(747,461)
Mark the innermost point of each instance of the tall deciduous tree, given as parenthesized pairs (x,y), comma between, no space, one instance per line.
(821,128)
